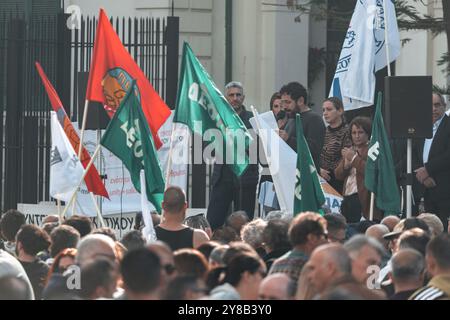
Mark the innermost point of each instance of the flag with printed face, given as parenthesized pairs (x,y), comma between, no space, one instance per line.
(111,74)
(364,53)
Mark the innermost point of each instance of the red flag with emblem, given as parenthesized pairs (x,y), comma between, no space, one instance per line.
(112,71)
(92,179)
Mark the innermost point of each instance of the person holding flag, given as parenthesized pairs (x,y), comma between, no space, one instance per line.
(380,178)
(111,74)
(201,106)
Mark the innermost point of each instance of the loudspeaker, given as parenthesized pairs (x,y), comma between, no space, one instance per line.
(409,107)
(97,117)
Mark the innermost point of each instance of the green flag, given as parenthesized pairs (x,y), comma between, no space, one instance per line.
(380,177)
(308,195)
(128,137)
(201,106)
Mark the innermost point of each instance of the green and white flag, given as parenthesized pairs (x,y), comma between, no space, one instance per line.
(201,106)
(308,194)
(128,137)
(380,177)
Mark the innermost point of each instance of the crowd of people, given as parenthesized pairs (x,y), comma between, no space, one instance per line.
(308,257)
(228,254)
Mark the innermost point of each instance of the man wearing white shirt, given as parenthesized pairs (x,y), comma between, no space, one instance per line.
(432,164)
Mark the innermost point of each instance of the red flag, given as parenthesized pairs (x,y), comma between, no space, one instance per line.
(92,180)
(111,74)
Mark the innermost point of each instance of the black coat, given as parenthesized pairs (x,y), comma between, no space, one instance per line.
(251,175)
(438,165)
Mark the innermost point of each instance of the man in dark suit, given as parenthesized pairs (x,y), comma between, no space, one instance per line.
(432,164)
(226,186)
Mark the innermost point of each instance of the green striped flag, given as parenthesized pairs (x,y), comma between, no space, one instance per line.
(308,194)
(129,138)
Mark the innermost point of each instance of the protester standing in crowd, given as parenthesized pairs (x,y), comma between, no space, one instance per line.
(351,170)
(226,186)
(307,231)
(10,224)
(431,164)
(30,241)
(336,138)
(295,101)
(172,230)
(241,278)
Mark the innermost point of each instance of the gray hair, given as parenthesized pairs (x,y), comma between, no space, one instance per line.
(339,256)
(252,233)
(355,244)
(433,222)
(408,267)
(278,215)
(218,253)
(235,84)
(441,97)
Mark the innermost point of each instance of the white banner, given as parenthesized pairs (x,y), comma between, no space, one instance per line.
(283,162)
(123,196)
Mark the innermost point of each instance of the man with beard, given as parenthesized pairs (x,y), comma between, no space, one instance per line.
(294,99)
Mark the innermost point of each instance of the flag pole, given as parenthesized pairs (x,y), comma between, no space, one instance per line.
(79,184)
(83,128)
(388,55)
(386,40)
(149,229)
(169,160)
(99,215)
(281,199)
(58,204)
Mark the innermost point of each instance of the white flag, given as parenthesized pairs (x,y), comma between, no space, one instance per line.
(364,53)
(66,169)
(148,232)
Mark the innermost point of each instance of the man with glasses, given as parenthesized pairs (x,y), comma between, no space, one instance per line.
(431,161)
(226,186)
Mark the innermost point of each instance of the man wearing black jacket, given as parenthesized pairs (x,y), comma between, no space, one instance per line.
(226,186)
(294,99)
(432,164)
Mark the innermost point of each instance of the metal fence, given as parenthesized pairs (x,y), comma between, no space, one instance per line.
(64,54)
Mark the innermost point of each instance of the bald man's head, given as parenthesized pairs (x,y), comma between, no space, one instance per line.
(407,265)
(174,200)
(390,222)
(327,264)
(277,286)
(93,246)
(377,232)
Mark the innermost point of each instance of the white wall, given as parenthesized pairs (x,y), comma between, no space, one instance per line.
(419,56)
(269,49)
